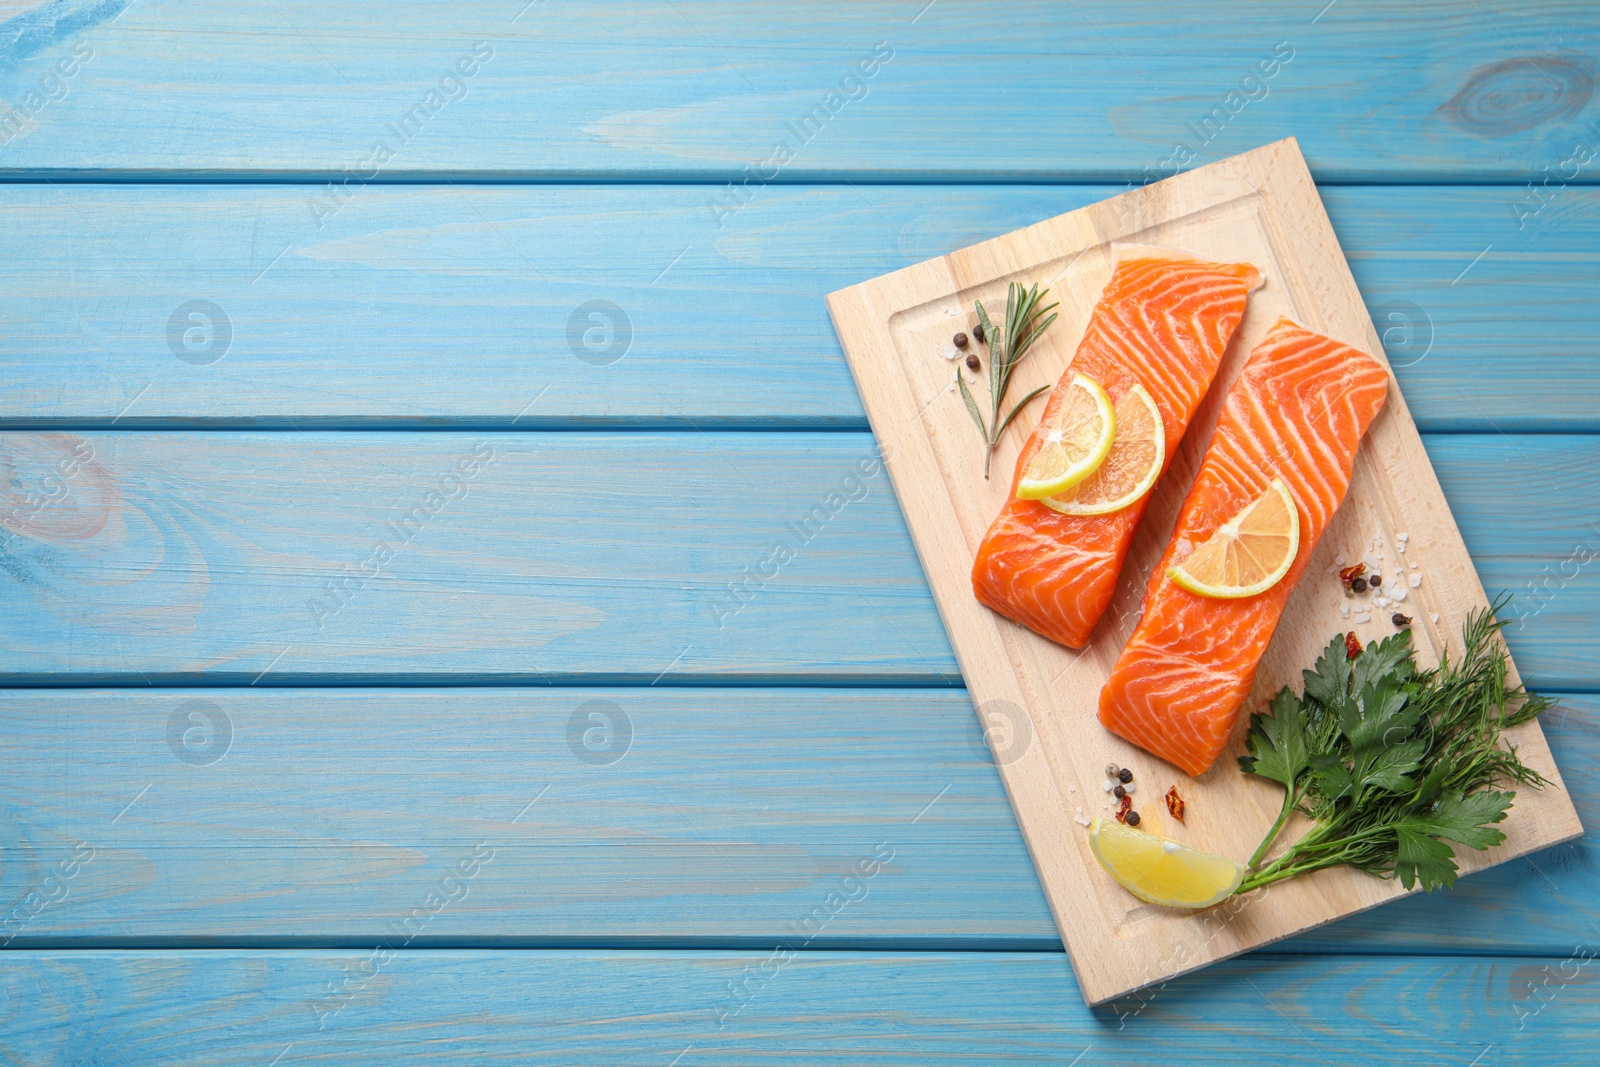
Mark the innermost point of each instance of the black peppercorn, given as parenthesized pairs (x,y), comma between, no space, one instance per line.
(972,363)
(977,331)
(1359,585)
(1375,581)
(1124,776)
(1400,620)
(960,340)
(1119,792)
(1133,818)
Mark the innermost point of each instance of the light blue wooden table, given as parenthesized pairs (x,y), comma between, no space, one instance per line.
(391,391)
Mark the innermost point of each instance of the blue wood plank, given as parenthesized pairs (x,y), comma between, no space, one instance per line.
(520,1008)
(876,91)
(243,817)
(282,558)
(296,558)
(335,813)
(671,817)
(467,306)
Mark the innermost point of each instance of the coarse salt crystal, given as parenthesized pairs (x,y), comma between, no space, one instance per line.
(1382,601)
(1402,537)
(1411,563)
(1341,561)
(951,352)
(1434,615)
(1082,820)
(1373,561)
(1401,548)
(1414,580)
(1109,784)
(1400,593)
(1344,611)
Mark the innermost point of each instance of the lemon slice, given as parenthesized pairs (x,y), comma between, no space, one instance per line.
(1076,441)
(1138,450)
(1161,871)
(1249,554)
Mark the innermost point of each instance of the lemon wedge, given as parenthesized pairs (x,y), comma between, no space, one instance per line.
(1138,450)
(1161,871)
(1077,438)
(1249,554)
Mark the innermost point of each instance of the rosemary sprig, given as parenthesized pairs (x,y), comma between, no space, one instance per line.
(1006,349)
(1392,762)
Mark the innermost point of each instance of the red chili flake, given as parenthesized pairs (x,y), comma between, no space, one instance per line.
(1175,803)
(1125,806)
(1350,574)
(1352,647)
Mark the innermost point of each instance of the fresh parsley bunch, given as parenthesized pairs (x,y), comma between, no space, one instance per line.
(1393,763)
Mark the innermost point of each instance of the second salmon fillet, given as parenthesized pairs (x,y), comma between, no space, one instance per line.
(1297,413)
(1163,321)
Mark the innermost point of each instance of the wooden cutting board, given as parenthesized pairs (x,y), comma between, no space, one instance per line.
(1260,207)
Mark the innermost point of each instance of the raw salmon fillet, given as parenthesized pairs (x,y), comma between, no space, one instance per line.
(1163,322)
(1297,412)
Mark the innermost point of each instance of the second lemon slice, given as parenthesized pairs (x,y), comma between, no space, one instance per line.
(1078,433)
(1131,467)
(1161,871)
(1249,554)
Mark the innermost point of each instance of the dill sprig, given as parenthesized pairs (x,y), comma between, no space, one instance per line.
(1006,349)
(1392,763)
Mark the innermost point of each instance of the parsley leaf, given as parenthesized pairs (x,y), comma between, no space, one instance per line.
(1277,742)
(1419,857)
(1464,817)
(1422,854)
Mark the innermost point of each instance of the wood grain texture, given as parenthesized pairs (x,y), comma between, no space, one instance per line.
(273,558)
(701,90)
(506,1008)
(451,306)
(702,818)
(1260,208)
(339,810)
(592,557)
